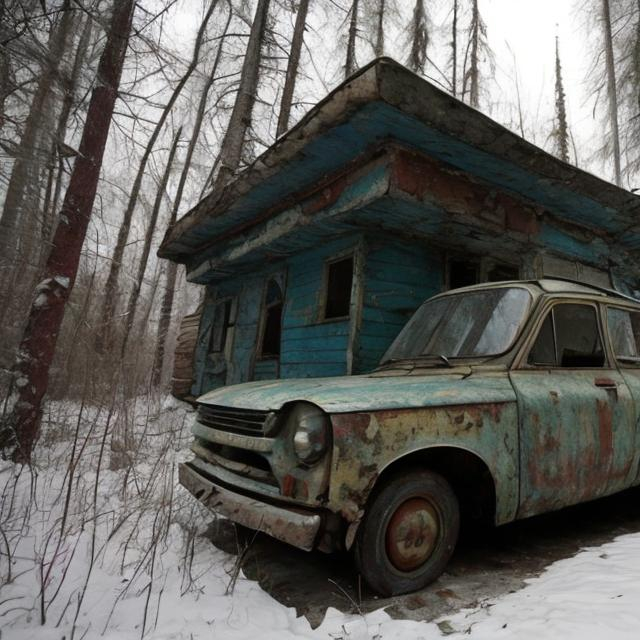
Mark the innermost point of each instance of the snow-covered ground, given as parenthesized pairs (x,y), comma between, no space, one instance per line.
(91,551)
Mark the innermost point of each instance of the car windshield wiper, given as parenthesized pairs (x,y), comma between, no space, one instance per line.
(423,356)
(440,356)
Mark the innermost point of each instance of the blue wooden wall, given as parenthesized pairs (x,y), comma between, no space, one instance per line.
(312,347)
(398,277)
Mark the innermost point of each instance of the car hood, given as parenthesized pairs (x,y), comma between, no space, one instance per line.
(367,393)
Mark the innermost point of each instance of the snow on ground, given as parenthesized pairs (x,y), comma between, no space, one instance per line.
(98,541)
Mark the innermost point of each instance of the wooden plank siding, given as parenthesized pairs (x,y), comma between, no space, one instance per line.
(311,346)
(398,277)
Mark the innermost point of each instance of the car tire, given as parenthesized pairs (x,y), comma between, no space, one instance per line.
(408,533)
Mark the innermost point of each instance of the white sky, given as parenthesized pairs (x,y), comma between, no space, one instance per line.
(520,29)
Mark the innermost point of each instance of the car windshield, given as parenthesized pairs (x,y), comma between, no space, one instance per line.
(471,324)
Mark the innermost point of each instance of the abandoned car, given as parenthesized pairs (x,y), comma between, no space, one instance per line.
(503,400)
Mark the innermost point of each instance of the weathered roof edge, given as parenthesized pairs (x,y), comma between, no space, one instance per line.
(378,80)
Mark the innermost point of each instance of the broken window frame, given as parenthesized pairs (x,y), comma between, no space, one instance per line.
(227,326)
(264,318)
(352,255)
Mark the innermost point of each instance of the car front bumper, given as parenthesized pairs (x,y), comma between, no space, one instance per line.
(294,527)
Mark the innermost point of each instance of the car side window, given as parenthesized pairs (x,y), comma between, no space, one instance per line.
(624,331)
(569,337)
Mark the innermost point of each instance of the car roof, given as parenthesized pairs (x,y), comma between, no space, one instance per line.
(556,285)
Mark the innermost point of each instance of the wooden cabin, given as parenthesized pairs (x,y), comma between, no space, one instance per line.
(387,192)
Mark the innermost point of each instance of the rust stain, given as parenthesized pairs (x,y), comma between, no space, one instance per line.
(455,191)
(605,428)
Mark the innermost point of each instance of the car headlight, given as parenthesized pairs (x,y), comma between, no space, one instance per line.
(311,433)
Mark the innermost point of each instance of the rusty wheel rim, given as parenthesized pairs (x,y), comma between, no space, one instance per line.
(412,534)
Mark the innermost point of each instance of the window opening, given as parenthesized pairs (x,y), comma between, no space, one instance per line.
(222,322)
(500,272)
(272,330)
(463,273)
(569,337)
(339,281)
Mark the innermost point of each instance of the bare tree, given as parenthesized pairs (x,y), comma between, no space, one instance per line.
(292,67)
(561,130)
(232,144)
(20,425)
(172,268)
(477,53)
(146,249)
(611,89)
(22,200)
(419,38)
(350,64)
(103,337)
(454,49)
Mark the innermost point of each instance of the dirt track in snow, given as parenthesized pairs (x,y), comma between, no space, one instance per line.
(485,565)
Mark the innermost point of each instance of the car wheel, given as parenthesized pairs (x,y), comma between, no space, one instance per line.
(408,533)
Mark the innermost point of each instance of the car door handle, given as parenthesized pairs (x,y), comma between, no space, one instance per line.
(605,383)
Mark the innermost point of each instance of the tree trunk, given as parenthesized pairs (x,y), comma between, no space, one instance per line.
(172,269)
(419,38)
(292,68)
(233,142)
(561,129)
(351,65)
(378,48)
(142,267)
(23,192)
(611,90)
(70,84)
(454,50)
(103,336)
(20,426)
(474,69)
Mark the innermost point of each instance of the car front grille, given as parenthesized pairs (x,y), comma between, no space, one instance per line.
(246,422)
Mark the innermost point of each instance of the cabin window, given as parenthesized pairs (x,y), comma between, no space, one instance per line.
(222,321)
(338,283)
(272,320)
(463,273)
(498,272)
(470,271)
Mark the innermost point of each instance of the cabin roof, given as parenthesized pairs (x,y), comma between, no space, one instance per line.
(385,103)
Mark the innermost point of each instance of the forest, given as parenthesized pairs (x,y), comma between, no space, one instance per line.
(116,118)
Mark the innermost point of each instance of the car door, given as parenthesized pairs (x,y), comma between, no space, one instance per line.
(624,332)
(576,413)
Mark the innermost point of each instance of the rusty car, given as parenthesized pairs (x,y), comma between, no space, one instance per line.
(498,401)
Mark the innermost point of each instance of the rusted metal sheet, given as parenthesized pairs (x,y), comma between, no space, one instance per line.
(578,436)
(293,527)
(365,444)
(183,373)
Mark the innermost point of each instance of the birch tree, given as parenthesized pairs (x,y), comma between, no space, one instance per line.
(20,425)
